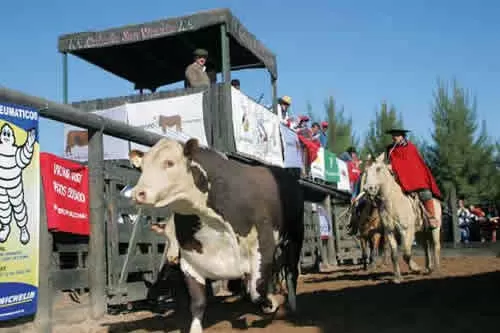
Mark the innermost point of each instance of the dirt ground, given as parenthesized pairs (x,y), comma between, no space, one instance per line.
(464,297)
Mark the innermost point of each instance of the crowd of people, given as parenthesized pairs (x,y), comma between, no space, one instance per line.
(476,224)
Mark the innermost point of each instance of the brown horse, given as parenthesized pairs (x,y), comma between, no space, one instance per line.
(368,224)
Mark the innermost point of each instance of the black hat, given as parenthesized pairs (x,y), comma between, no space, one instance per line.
(397,131)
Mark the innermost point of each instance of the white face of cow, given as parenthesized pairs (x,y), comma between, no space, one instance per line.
(166,177)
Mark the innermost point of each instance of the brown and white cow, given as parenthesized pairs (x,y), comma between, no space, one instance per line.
(229,218)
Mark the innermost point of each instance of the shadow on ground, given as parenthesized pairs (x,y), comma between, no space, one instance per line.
(452,304)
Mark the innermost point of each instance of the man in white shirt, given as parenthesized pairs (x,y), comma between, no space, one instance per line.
(283,105)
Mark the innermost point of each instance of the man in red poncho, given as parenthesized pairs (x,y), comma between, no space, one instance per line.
(411,171)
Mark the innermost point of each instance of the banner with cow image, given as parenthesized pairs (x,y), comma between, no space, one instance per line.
(256,129)
(76,139)
(179,118)
(19,210)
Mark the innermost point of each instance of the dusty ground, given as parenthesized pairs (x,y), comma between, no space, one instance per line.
(465,297)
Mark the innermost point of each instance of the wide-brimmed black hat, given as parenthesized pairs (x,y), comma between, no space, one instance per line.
(397,131)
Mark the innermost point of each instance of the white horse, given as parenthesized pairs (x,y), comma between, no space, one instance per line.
(405,215)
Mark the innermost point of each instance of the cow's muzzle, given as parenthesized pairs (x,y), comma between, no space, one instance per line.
(137,195)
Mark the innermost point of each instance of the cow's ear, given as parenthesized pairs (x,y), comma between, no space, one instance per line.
(191,147)
(135,157)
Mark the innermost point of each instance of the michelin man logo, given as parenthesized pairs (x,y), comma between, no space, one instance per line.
(13,160)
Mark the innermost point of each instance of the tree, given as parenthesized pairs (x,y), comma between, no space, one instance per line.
(458,157)
(376,140)
(340,133)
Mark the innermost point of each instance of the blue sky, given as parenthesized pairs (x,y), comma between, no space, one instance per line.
(361,53)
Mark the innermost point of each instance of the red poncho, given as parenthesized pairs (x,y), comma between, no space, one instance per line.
(312,147)
(411,170)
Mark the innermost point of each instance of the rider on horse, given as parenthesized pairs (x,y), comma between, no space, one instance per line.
(411,171)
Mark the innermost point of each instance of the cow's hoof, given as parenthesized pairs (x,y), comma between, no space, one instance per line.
(397,280)
(196,326)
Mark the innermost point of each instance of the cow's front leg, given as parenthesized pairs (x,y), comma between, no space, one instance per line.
(262,274)
(197,293)
(198,303)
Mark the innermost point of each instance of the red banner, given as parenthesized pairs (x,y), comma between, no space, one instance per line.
(66,188)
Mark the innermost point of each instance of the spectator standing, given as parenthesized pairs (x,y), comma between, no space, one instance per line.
(323,136)
(465,219)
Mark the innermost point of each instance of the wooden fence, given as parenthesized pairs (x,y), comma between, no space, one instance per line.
(105,262)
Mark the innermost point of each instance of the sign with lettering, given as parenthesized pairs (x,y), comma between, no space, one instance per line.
(19,210)
(66,187)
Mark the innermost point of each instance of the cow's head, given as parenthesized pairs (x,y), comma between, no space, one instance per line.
(169,176)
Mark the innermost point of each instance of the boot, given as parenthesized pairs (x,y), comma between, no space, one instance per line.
(429,207)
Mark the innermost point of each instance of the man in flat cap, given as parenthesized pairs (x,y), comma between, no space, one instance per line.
(196,75)
(411,171)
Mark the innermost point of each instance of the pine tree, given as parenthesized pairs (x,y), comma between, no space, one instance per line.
(376,140)
(340,133)
(457,157)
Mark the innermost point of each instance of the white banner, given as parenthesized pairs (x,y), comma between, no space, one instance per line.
(256,129)
(292,149)
(325,225)
(343,183)
(318,165)
(179,118)
(76,138)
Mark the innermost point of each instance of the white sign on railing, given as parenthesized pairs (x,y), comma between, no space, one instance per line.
(178,118)
(292,148)
(256,129)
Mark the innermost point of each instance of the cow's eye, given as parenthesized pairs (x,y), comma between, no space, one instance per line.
(168,164)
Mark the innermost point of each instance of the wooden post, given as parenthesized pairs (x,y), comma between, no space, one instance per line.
(226,61)
(225,130)
(274,95)
(330,244)
(97,245)
(43,318)
(336,230)
(455,230)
